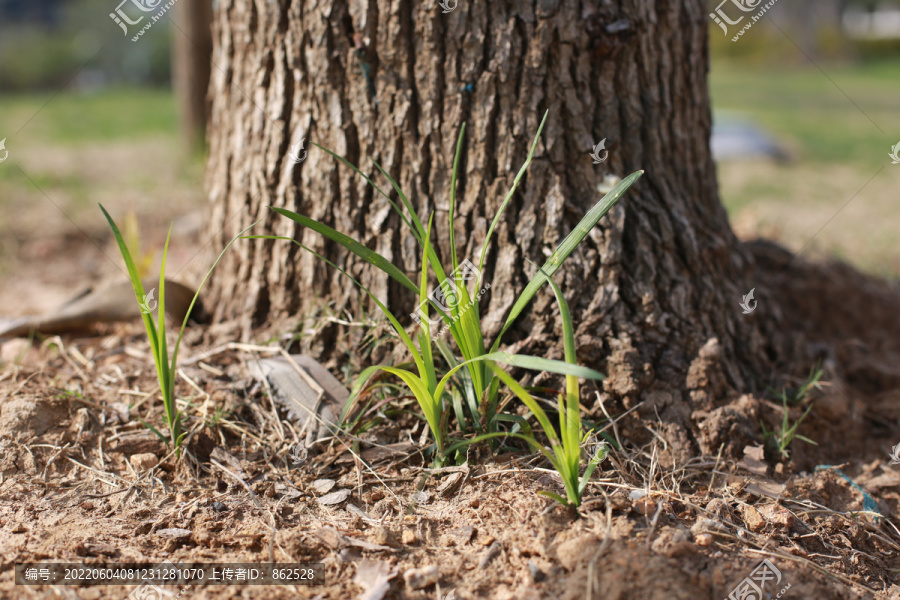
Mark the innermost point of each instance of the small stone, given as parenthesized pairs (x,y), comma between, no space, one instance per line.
(87,505)
(174,533)
(536,574)
(752,518)
(487,540)
(645,506)
(381,536)
(778,516)
(418,579)
(703,539)
(143,461)
(408,537)
(218,506)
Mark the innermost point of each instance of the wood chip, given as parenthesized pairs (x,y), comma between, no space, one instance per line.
(754,460)
(463,534)
(449,484)
(379,453)
(765,488)
(335,540)
(489,555)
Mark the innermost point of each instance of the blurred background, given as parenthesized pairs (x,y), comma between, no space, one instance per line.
(805,109)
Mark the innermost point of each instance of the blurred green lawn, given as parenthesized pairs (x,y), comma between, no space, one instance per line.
(69,151)
(122,145)
(79,146)
(72,118)
(839,124)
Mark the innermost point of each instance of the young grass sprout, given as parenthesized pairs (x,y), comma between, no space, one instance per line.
(780,438)
(156,331)
(471,385)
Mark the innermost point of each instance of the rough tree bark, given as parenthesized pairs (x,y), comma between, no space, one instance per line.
(654,289)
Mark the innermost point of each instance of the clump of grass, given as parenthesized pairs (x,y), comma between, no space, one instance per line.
(471,386)
(779,439)
(156,331)
(566,448)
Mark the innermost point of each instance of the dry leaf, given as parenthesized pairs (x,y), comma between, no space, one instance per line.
(334,498)
(323,486)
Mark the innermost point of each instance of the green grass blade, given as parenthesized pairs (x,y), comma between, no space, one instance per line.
(352,245)
(187,316)
(425,331)
(134,275)
(454,261)
(509,195)
(430,405)
(167,385)
(595,461)
(432,254)
(530,402)
(357,388)
(570,414)
(566,248)
(534,363)
(416,234)
(410,345)
(554,496)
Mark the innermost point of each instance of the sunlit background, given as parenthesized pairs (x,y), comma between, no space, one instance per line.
(806,109)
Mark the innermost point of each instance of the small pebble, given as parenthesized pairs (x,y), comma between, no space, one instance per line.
(421,578)
(219,506)
(703,539)
(144,461)
(408,536)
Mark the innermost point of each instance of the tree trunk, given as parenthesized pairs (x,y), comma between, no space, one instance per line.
(191,52)
(655,288)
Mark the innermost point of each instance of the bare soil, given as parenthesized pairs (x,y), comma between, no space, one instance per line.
(82,480)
